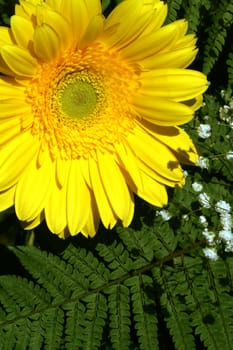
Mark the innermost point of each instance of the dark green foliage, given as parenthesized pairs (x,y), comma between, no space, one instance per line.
(148,286)
(58,307)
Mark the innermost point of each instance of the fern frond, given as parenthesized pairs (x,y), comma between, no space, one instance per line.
(117,257)
(229,63)
(144,311)
(119,316)
(222,19)
(173,8)
(175,301)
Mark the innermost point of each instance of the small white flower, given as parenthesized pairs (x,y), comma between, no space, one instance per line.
(204,200)
(185,217)
(209,235)
(226,221)
(197,187)
(226,108)
(203,220)
(222,207)
(231,104)
(229,155)
(164,214)
(225,235)
(204,131)
(185,173)
(210,253)
(203,162)
(229,246)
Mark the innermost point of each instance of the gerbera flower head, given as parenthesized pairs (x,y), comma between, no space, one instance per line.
(90,108)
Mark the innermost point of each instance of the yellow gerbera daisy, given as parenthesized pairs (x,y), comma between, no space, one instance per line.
(89,111)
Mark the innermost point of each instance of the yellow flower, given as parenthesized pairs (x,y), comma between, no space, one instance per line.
(89,111)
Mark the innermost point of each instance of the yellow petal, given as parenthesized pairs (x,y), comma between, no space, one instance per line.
(94,30)
(152,191)
(9,129)
(151,44)
(56,22)
(55,5)
(9,89)
(128,160)
(174,84)
(78,199)
(7,198)
(79,14)
(19,60)
(32,189)
(56,209)
(106,212)
(194,103)
(176,139)
(180,58)
(30,225)
(115,187)
(15,157)
(19,11)
(157,176)
(161,111)
(5,36)
(47,44)
(93,7)
(62,171)
(22,30)
(156,155)
(28,8)
(92,223)
(12,107)
(121,34)
(159,15)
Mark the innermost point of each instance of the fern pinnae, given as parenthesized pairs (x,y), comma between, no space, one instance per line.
(175,302)
(205,318)
(139,244)
(95,318)
(117,258)
(221,299)
(87,265)
(52,324)
(173,8)
(48,275)
(229,63)
(119,316)
(144,311)
(222,19)
(192,14)
(74,327)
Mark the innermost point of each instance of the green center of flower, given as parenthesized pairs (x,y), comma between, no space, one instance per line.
(78,95)
(78,99)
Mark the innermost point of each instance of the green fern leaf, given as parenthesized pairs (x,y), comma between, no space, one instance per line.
(144,311)
(119,316)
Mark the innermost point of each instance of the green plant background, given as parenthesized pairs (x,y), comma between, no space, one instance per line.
(149,286)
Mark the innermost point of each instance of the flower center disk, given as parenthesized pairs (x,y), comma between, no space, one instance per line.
(81,103)
(76,96)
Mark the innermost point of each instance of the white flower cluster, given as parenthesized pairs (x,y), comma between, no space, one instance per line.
(197,187)
(225,235)
(204,131)
(226,111)
(229,155)
(203,162)
(204,200)
(166,216)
